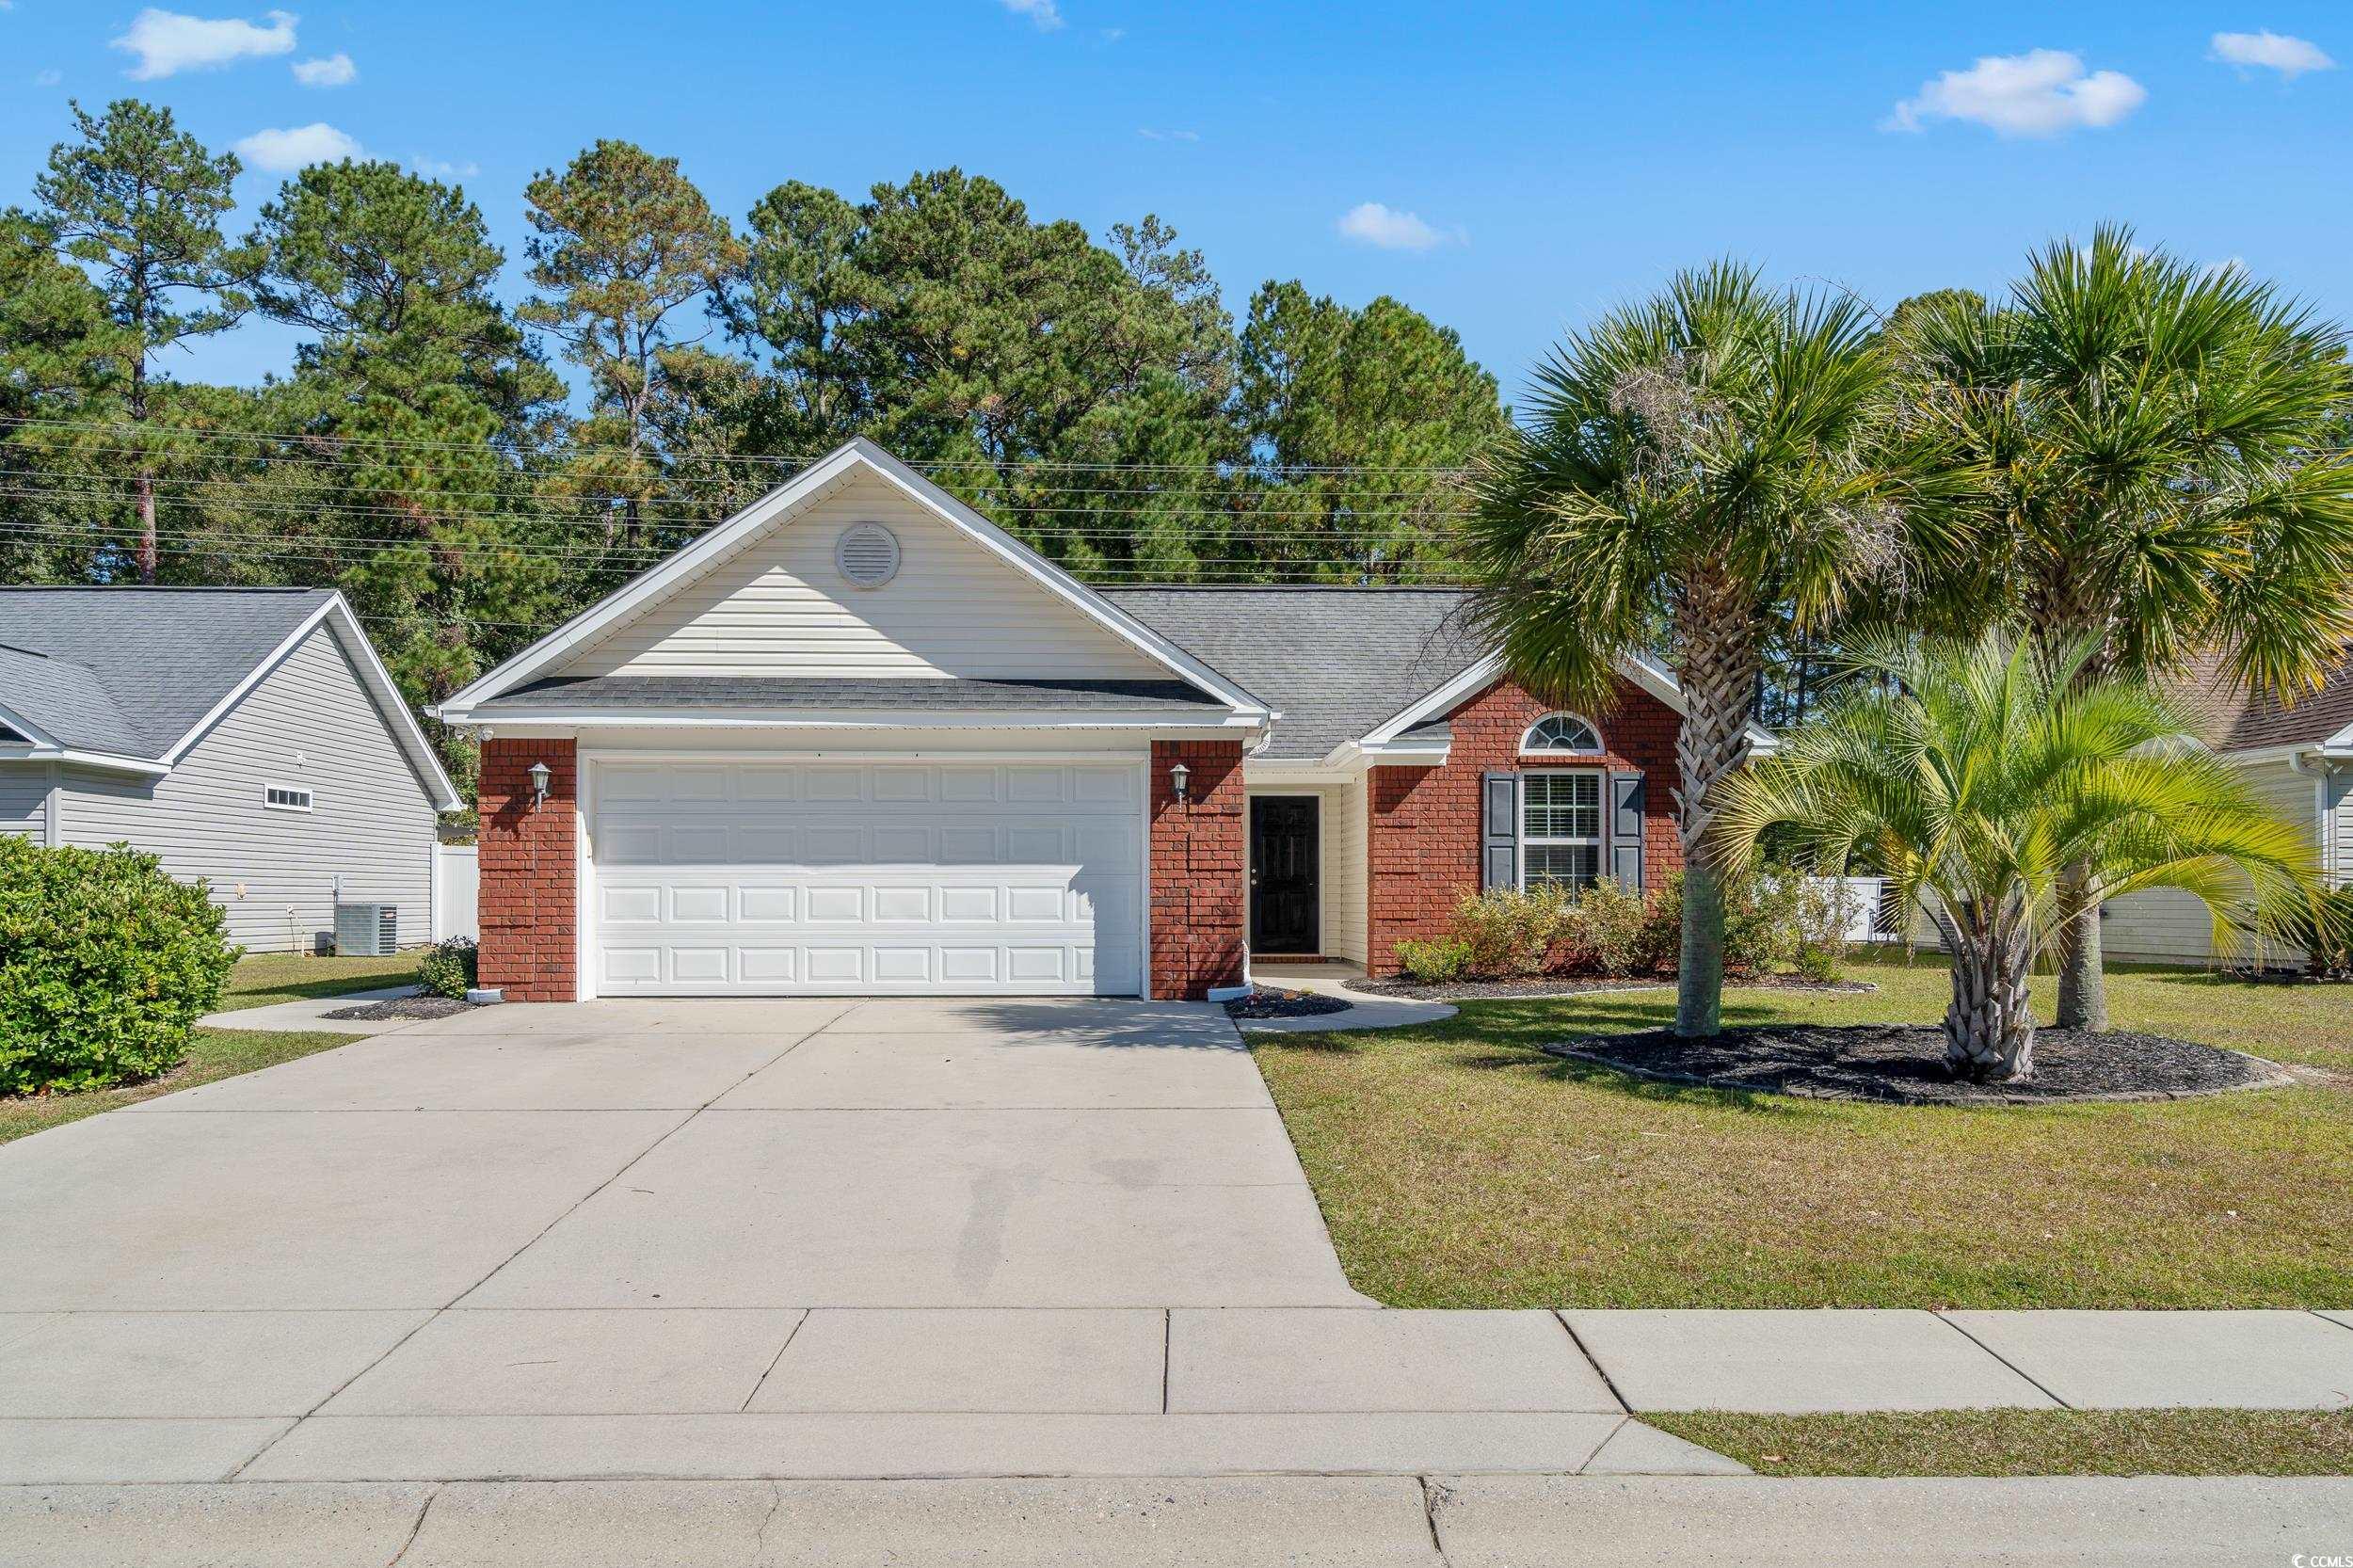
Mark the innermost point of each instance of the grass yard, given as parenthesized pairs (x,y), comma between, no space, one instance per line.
(2030,1442)
(1457,1166)
(213,1053)
(263,978)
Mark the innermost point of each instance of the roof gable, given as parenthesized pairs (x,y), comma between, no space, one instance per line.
(131,678)
(129,670)
(759,597)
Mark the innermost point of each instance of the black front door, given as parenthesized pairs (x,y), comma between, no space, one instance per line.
(1283,854)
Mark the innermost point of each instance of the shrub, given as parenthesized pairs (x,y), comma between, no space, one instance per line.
(1509,934)
(1616,931)
(449,968)
(105,963)
(1433,962)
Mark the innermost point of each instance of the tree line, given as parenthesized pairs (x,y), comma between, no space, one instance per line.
(425,454)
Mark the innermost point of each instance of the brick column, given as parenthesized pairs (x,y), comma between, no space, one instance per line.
(530,891)
(1198,864)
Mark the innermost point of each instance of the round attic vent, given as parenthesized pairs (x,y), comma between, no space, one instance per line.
(867,555)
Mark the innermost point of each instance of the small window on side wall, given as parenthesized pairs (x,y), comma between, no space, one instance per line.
(286,798)
(1561,735)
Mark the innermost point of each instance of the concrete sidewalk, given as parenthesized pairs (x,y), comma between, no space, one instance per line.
(1390,1521)
(309,1013)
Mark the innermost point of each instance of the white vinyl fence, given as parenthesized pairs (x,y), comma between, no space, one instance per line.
(456,891)
(1864,903)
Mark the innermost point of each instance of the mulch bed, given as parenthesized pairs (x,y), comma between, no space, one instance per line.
(1537,985)
(1906,1064)
(1265,1001)
(403,1007)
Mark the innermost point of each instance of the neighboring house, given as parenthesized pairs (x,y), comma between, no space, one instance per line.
(859,740)
(249,736)
(2300,760)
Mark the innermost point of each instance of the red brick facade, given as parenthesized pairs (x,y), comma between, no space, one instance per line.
(529,876)
(1422,826)
(1197,869)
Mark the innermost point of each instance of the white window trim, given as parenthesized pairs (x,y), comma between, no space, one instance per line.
(303,790)
(1599,748)
(1599,841)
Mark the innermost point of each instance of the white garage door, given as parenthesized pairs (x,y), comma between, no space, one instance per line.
(849,877)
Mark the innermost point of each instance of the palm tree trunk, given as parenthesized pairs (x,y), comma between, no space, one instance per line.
(1717,626)
(2083,992)
(1988,1028)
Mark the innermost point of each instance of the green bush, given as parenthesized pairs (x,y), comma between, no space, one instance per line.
(105,965)
(448,968)
(1618,932)
(1434,962)
(1774,921)
(1509,933)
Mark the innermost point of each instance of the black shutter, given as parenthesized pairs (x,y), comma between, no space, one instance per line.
(1499,842)
(1625,830)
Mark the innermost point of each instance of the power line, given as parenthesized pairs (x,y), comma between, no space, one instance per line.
(674,476)
(766,459)
(1314,525)
(1240,568)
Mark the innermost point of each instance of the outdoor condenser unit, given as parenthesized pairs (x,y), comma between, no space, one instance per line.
(367,929)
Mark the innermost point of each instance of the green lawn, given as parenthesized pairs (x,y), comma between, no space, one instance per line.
(263,978)
(213,1053)
(2030,1442)
(1457,1166)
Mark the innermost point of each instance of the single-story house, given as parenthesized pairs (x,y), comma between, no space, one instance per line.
(249,736)
(859,740)
(2301,761)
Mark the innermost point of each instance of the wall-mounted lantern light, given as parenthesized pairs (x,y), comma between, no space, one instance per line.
(540,777)
(1180,776)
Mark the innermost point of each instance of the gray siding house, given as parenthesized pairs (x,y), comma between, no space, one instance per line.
(249,736)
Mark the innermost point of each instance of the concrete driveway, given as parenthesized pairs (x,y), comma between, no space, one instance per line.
(741,1237)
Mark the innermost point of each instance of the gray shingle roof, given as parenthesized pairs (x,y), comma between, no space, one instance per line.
(1334,662)
(2237,719)
(936,695)
(128,671)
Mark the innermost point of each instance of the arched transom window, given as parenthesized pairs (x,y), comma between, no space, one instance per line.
(1561,735)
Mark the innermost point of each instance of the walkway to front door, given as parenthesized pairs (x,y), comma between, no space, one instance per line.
(1286,890)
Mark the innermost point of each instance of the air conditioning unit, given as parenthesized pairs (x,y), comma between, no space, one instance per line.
(367,929)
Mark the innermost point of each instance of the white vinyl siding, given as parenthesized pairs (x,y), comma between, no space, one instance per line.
(273,871)
(2168,926)
(827,875)
(2337,849)
(779,607)
(1345,852)
(24,798)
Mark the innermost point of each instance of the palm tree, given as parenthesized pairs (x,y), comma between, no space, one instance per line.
(2163,450)
(1694,464)
(1976,775)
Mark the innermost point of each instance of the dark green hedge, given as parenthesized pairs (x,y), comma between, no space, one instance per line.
(105,963)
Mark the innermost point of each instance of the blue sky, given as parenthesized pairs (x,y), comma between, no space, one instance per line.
(1510,169)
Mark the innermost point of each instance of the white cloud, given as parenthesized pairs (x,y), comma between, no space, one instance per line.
(335,71)
(166,43)
(48,78)
(437,168)
(2290,56)
(283,152)
(1112,34)
(1046,13)
(1392,229)
(2039,93)
(1150,135)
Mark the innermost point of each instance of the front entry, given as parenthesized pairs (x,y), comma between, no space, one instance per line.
(1286,892)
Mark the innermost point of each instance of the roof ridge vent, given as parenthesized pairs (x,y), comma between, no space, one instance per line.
(867,555)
